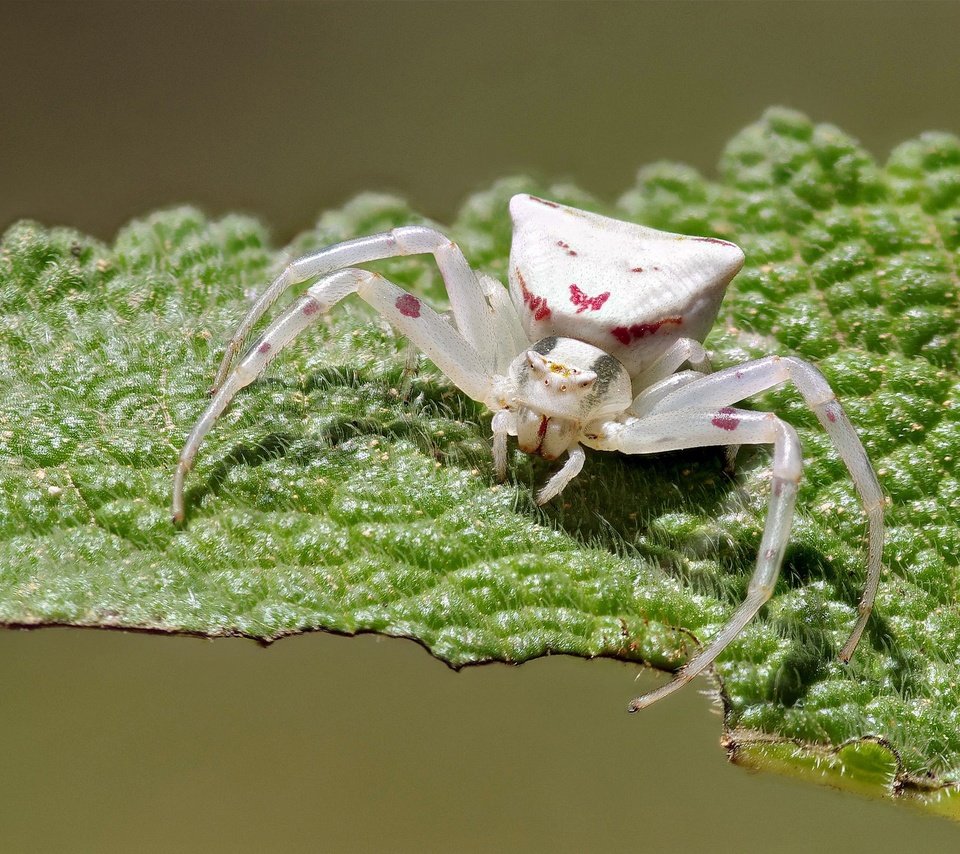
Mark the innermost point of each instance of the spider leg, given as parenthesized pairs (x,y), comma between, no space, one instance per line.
(503,426)
(644,403)
(669,361)
(558,482)
(733,384)
(448,349)
(411,362)
(660,379)
(694,428)
(470,295)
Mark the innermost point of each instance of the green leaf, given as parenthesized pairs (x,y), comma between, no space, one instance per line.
(337,494)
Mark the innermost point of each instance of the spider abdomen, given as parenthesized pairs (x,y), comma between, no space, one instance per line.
(625,288)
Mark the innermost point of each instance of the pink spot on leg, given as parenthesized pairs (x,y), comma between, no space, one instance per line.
(831,416)
(311,307)
(408,305)
(726,419)
(265,347)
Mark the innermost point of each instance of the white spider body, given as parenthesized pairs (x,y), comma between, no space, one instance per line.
(586,349)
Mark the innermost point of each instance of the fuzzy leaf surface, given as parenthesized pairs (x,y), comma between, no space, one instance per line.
(338,493)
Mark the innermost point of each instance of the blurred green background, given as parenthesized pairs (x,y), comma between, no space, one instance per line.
(113,742)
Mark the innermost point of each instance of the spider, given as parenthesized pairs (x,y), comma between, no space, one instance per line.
(586,349)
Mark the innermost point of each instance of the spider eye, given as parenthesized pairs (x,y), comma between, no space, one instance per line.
(585,379)
(563,388)
(536,362)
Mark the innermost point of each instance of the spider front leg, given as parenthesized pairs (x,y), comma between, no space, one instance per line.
(474,299)
(666,365)
(443,344)
(663,378)
(733,384)
(699,428)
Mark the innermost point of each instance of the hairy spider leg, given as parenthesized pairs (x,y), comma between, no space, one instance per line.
(447,347)
(559,480)
(669,362)
(644,402)
(473,297)
(696,428)
(501,425)
(663,377)
(733,384)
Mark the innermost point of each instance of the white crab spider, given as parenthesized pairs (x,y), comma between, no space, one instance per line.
(585,350)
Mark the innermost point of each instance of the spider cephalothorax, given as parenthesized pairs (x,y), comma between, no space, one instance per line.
(589,347)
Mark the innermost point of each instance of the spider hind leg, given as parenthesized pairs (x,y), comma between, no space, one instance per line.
(444,344)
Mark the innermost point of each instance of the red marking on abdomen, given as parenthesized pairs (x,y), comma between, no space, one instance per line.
(636,269)
(725,419)
(537,305)
(585,303)
(566,248)
(264,347)
(542,428)
(310,308)
(716,240)
(408,305)
(628,334)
